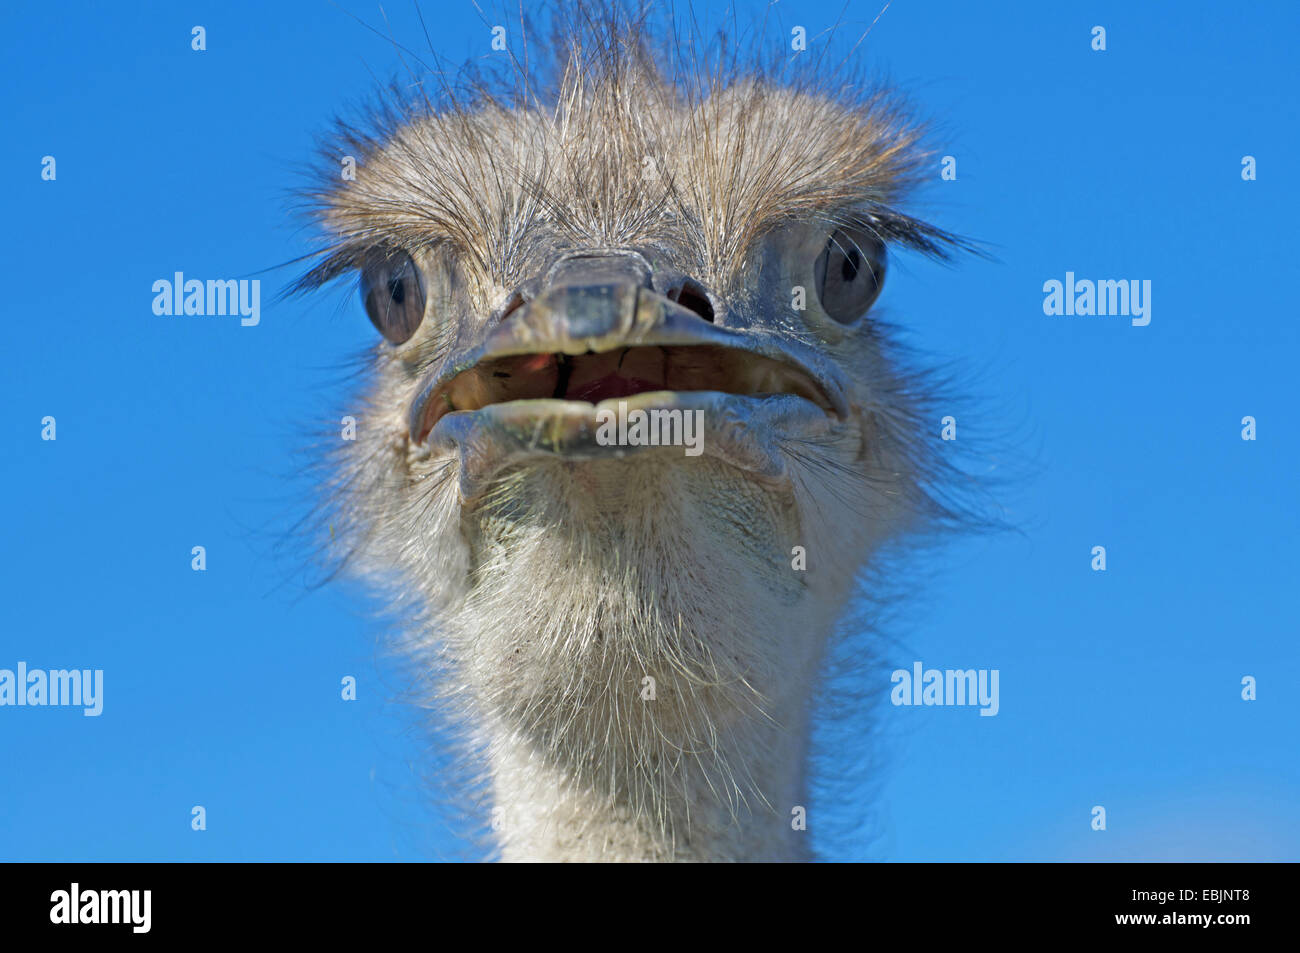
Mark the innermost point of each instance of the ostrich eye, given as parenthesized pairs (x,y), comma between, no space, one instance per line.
(849,273)
(393,291)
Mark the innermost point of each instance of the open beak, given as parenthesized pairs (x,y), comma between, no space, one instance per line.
(586,344)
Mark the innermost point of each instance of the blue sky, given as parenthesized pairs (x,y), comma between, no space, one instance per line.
(1119,689)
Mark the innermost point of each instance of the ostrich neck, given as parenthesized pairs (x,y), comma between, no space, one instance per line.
(642,688)
(543,811)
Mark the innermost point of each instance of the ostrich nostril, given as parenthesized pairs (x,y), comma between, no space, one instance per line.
(691,295)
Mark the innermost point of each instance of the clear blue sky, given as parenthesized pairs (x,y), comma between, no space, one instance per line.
(221,688)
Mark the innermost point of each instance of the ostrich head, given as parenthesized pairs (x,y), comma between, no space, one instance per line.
(632,633)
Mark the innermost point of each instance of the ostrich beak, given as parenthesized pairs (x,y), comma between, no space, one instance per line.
(540,381)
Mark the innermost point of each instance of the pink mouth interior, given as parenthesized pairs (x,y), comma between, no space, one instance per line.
(625,372)
(611,385)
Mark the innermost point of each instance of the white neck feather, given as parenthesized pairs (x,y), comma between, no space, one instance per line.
(545,811)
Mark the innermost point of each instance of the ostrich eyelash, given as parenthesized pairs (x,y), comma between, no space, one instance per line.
(892,227)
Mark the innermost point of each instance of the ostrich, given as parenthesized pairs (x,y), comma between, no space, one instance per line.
(630,635)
